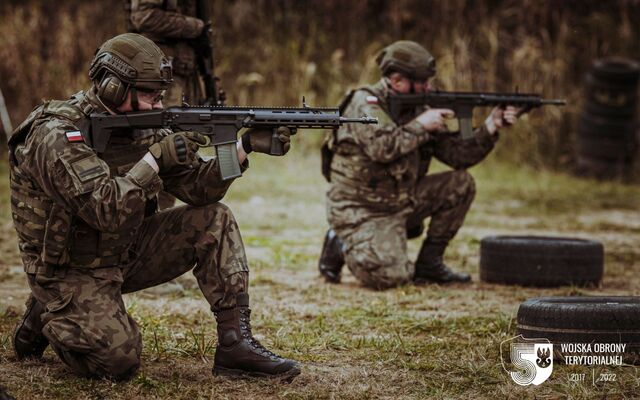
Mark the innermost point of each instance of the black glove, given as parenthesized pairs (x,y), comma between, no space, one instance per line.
(179,148)
(267,141)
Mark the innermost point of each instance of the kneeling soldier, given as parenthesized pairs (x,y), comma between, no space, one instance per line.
(89,231)
(380,193)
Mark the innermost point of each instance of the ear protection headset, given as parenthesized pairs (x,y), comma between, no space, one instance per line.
(105,72)
(112,91)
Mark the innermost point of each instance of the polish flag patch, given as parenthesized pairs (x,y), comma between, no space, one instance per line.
(74,136)
(372,100)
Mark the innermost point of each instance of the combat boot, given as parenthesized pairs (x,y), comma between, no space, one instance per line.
(331,258)
(240,354)
(28,340)
(431,268)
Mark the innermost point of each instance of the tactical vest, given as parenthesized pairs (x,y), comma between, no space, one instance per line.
(331,140)
(46,228)
(350,166)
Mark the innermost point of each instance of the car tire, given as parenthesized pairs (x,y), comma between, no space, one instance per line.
(541,261)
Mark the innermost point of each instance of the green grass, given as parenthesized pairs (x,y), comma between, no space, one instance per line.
(409,342)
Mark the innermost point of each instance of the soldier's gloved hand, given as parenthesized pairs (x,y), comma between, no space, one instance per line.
(433,120)
(259,140)
(201,42)
(179,148)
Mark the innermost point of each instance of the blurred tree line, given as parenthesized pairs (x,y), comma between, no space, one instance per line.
(272,52)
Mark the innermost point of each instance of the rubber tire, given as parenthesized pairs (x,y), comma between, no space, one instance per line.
(541,261)
(603,169)
(596,319)
(592,107)
(612,98)
(597,126)
(605,149)
(617,70)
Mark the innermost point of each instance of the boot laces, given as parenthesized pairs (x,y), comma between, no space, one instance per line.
(245,325)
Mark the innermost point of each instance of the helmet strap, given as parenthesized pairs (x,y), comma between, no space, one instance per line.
(134,99)
(412,85)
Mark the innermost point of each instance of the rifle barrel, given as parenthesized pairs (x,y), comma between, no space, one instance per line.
(556,102)
(361,120)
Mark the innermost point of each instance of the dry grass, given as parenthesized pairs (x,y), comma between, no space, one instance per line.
(272,52)
(411,342)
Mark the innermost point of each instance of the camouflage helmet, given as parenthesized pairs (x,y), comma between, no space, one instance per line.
(407,57)
(133,59)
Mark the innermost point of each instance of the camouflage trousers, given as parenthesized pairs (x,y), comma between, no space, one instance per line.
(86,321)
(376,239)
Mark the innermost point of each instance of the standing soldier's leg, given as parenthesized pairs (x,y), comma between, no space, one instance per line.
(375,247)
(446,198)
(207,238)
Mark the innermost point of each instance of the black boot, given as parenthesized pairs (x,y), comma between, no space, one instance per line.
(430,268)
(28,340)
(5,396)
(414,230)
(331,258)
(239,354)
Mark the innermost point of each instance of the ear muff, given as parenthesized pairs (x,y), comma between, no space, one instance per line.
(112,91)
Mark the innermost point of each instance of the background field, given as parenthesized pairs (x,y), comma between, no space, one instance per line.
(411,342)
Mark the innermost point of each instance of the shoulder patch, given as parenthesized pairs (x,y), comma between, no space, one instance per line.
(74,136)
(88,168)
(372,100)
(85,171)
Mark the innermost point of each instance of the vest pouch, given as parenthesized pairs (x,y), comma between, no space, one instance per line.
(114,247)
(84,244)
(425,159)
(94,249)
(55,249)
(326,155)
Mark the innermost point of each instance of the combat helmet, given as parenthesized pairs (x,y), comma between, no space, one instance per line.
(407,57)
(128,61)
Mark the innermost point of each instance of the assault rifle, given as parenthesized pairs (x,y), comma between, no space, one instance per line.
(203,46)
(221,126)
(462,103)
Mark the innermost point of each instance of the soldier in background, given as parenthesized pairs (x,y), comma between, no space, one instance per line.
(88,229)
(380,193)
(175,27)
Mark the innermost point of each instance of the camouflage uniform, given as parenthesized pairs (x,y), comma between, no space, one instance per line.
(379,187)
(170,24)
(88,232)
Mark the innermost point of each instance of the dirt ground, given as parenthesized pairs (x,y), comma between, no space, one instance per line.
(411,342)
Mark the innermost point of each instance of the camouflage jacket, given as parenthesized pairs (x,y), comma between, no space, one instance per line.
(74,207)
(169,23)
(383,162)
